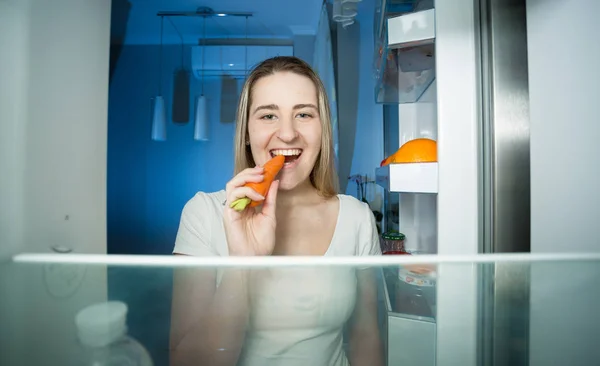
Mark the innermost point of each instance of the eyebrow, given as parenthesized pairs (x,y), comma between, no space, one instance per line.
(274,107)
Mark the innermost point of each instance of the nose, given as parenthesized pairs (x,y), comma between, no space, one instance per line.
(287,131)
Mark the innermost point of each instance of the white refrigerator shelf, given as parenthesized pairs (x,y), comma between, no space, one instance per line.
(412,29)
(408,177)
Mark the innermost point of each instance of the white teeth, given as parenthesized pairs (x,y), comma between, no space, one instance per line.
(288,152)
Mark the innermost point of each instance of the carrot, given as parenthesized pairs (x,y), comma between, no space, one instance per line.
(271,168)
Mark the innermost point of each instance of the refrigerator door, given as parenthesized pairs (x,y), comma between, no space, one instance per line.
(505,107)
(506,181)
(482,198)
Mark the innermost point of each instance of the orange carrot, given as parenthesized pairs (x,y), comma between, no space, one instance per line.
(271,168)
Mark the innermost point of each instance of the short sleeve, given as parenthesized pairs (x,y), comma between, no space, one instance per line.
(194,233)
(369,244)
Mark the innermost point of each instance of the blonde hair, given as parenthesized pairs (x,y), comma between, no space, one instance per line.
(323,176)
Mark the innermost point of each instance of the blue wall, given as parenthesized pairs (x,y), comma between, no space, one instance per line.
(149,182)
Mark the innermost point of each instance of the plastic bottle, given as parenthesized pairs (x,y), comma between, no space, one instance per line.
(102,331)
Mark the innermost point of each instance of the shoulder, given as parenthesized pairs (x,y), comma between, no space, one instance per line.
(203,203)
(359,216)
(353,206)
(200,224)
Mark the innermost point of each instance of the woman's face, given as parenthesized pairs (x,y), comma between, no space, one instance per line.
(284,120)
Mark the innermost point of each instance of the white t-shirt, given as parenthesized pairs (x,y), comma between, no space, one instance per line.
(297,314)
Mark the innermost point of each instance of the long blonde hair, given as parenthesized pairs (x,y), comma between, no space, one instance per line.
(323,176)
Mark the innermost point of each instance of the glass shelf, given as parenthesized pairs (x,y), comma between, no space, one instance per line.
(545,307)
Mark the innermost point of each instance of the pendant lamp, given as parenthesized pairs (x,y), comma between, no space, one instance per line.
(159,120)
(159,114)
(201,115)
(201,122)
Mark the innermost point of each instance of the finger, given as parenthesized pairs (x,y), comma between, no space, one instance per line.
(243,178)
(257,168)
(268,208)
(249,171)
(242,192)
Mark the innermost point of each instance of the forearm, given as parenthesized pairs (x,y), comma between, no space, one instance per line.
(366,346)
(217,334)
(226,325)
(366,349)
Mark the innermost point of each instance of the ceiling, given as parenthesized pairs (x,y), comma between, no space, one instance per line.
(135,21)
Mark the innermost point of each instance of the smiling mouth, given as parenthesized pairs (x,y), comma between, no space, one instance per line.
(291,155)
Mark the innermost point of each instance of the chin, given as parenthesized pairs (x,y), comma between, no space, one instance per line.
(291,182)
(296,174)
(288,184)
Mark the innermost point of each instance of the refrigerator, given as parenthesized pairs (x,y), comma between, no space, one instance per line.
(456,72)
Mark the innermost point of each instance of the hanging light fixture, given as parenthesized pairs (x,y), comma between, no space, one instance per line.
(159,115)
(201,121)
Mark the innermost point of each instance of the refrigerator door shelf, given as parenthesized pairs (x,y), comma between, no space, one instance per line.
(413,337)
(409,177)
(404,63)
(410,30)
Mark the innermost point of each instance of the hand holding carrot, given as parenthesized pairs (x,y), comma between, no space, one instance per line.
(270,171)
(250,232)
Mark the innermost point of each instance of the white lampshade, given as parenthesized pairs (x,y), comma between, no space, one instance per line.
(201,120)
(159,120)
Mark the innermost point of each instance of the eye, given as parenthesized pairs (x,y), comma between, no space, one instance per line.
(304,115)
(268,117)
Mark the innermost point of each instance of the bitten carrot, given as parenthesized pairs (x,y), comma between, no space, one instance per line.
(271,168)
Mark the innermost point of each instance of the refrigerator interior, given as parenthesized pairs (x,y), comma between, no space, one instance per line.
(417,212)
(405,67)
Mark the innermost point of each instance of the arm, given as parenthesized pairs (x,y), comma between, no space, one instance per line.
(208,323)
(366,347)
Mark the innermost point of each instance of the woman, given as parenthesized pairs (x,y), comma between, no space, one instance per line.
(278,316)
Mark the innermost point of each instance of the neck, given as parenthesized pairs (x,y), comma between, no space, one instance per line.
(303,193)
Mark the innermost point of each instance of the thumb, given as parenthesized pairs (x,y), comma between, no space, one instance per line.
(268,208)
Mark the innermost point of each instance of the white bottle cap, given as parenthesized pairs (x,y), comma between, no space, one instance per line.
(101,324)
